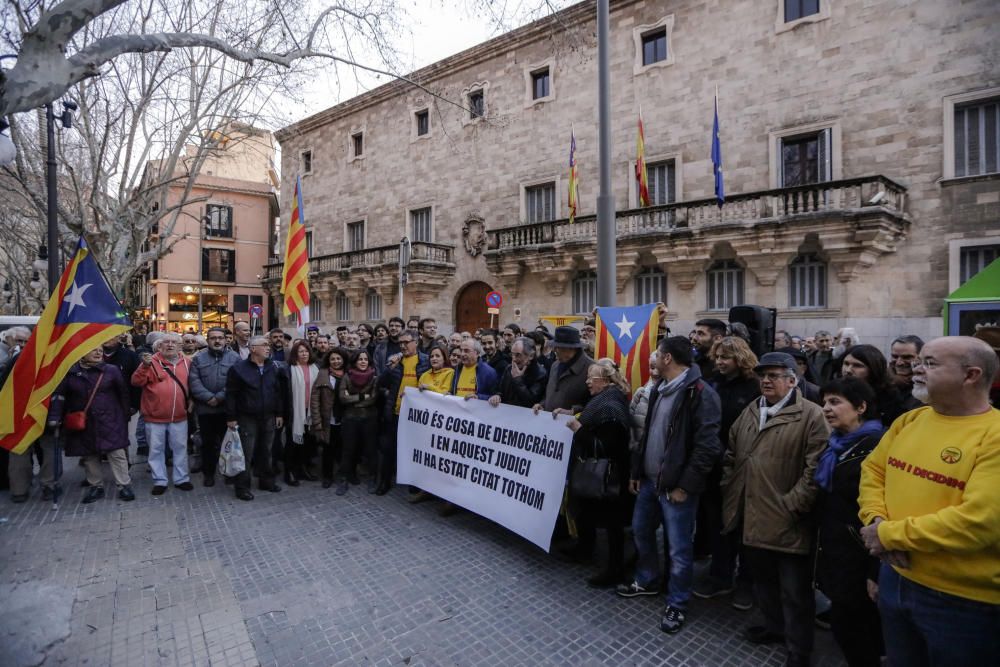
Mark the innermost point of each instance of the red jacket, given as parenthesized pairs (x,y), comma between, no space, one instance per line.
(163,400)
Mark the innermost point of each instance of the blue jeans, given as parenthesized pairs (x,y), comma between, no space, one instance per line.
(677,519)
(923,626)
(174,435)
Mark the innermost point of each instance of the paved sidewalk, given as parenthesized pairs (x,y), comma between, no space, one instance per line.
(304,577)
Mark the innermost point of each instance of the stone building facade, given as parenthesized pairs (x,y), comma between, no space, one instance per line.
(859,145)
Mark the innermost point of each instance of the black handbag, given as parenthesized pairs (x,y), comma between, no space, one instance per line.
(595,478)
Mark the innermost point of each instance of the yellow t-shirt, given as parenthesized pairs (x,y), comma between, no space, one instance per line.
(409,377)
(935,481)
(438,381)
(466,381)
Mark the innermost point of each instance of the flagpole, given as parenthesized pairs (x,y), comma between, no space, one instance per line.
(605,199)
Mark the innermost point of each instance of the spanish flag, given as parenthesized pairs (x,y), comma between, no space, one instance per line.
(81,314)
(295,272)
(627,335)
(641,180)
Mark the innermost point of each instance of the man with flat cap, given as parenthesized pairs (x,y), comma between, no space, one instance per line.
(768,493)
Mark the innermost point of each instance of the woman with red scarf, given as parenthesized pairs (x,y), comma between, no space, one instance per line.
(357,395)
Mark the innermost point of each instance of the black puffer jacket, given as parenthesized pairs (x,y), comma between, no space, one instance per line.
(524,391)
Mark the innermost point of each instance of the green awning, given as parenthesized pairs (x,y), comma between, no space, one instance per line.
(985,285)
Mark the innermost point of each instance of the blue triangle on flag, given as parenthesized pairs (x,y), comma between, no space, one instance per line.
(89,299)
(626,324)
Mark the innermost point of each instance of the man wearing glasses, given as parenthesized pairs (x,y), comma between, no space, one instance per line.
(402,371)
(209,369)
(768,492)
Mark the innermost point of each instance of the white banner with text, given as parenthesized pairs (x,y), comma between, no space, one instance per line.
(504,463)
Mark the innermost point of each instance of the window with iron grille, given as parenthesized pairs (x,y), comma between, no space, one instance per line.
(540,84)
(661,177)
(654,46)
(725,285)
(218,221)
(584,292)
(477,104)
(807,282)
(315,307)
(977,138)
(218,265)
(342,306)
(423,121)
(540,202)
(974,259)
(373,305)
(356,236)
(796,9)
(420,225)
(651,286)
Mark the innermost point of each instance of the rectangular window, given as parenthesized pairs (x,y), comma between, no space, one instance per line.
(585,293)
(654,46)
(218,265)
(358,143)
(540,84)
(977,138)
(807,283)
(540,202)
(796,9)
(356,236)
(423,120)
(343,308)
(651,287)
(805,159)
(315,308)
(373,306)
(309,244)
(477,104)
(306,162)
(420,225)
(218,221)
(661,177)
(725,285)
(241,303)
(974,259)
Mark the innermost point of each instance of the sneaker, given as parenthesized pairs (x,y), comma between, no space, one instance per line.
(742,598)
(710,588)
(126,493)
(823,620)
(758,634)
(672,620)
(159,490)
(93,494)
(634,590)
(185,486)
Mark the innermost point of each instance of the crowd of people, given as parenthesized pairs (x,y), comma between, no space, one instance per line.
(820,464)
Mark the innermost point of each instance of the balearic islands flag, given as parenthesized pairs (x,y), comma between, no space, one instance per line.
(295,271)
(627,335)
(81,314)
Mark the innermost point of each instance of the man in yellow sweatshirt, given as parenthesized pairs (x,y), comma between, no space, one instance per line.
(930,502)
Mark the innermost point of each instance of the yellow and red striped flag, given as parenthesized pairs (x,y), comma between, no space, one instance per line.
(642,182)
(573,184)
(295,272)
(627,335)
(81,314)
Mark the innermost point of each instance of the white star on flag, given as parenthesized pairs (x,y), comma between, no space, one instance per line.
(75,297)
(624,327)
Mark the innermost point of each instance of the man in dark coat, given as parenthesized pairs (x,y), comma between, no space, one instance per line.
(669,468)
(402,370)
(567,385)
(207,384)
(255,404)
(493,355)
(99,390)
(523,383)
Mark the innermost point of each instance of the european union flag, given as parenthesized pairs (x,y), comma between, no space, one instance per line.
(720,188)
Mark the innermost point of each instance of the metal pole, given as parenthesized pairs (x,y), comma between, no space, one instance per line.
(605,199)
(53,230)
(201,273)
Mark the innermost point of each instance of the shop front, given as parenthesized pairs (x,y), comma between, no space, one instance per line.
(182,310)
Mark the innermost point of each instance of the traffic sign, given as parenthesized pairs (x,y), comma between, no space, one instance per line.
(493,311)
(493,300)
(256,310)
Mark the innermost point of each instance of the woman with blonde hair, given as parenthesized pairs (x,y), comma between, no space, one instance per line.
(602,430)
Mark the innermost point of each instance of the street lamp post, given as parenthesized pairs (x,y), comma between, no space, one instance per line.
(404,264)
(201,270)
(66,120)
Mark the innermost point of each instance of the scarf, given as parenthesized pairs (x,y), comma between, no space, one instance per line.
(768,412)
(360,379)
(302,379)
(839,444)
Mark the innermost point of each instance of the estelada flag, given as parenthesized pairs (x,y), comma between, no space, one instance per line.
(627,335)
(81,314)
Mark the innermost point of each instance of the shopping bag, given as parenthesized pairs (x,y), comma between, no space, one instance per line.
(231,459)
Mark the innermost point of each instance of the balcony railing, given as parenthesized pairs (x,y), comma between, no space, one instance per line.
(420,253)
(752,207)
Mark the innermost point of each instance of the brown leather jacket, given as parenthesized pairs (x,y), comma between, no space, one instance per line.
(322,404)
(767,479)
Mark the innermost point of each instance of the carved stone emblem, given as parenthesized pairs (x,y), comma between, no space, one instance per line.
(474,233)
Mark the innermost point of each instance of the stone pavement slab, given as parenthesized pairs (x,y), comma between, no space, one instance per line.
(304,577)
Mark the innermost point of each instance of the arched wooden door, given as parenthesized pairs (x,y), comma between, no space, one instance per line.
(470,308)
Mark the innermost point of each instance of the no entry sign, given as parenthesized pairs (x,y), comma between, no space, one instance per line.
(493,300)
(256,310)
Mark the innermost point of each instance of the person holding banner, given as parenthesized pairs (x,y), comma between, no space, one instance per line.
(440,376)
(475,378)
(402,370)
(523,383)
(602,431)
